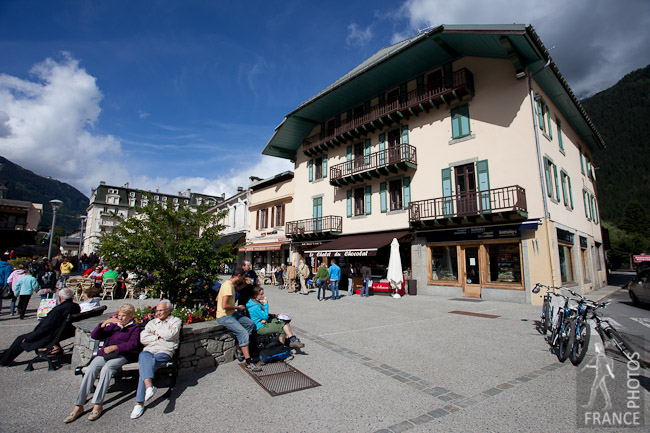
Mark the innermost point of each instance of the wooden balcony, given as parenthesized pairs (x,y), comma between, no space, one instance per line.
(383,163)
(314,227)
(383,115)
(492,205)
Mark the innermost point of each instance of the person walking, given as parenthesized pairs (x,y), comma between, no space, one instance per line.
(303,272)
(13,279)
(23,290)
(292,272)
(350,272)
(321,277)
(335,277)
(366,273)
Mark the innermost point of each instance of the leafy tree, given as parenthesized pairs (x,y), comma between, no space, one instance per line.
(635,219)
(168,249)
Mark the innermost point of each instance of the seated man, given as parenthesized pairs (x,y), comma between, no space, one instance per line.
(43,332)
(231,316)
(160,339)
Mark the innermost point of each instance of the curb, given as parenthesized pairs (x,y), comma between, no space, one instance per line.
(606,293)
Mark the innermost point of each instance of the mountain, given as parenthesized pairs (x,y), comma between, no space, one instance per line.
(29,186)
(622,115)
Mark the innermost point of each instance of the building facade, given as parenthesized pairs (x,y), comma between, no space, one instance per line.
(235,220)
(467,145)
(107,202)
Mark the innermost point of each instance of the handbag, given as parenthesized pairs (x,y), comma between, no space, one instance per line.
(6,292)
(45,307)
(112,355)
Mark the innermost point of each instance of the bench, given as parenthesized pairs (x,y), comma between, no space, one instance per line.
(43,353)
(132,369)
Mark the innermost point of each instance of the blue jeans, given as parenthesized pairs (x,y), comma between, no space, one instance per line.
(334,285)
(365,287)
(240,325)
(322,284)
(148,363)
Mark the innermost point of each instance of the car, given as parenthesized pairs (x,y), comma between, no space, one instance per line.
(639,288)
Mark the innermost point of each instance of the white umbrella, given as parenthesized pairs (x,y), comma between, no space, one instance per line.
(395,275)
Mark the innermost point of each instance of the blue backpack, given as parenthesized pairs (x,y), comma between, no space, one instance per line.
(274,353)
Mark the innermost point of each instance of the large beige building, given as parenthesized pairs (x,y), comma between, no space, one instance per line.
(467,145)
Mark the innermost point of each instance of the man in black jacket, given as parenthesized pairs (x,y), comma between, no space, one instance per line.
(43,332)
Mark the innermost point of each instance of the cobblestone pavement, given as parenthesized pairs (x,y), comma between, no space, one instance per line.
(385,365)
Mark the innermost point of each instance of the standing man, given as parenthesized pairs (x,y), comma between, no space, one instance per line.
(160,339)
(66,267)
(366,273)
(350,269)
(335,277)
(303,272)
(250,279)
(292,272)
(232,317)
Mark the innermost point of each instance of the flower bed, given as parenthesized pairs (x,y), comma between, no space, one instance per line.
(187,315)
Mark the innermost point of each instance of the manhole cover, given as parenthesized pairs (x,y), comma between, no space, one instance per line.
(281,378)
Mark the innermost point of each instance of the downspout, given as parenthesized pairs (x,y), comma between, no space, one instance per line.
(540,166)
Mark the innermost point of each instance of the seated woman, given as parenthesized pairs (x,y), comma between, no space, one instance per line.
(121,337)
(258,308)
(90,300)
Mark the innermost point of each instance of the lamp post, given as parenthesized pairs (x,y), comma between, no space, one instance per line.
(81,234)
(56,204)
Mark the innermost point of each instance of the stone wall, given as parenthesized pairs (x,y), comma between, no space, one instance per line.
(203,345)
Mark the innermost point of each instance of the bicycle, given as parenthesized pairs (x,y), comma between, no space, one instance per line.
(546,321)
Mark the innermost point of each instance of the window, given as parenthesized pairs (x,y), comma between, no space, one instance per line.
(278,219)
(559,134)
(262,219)
(444,263)
(131,202)
(112,191)
(552,185)
(566,190)
(144,201)
(359,201)
(132,194)
(543,117)
(566,262)
(582,164)
(395,191)
(317,168)
(460,121)
(585,264)
(503,263)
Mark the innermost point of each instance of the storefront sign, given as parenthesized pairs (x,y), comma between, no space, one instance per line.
(640,258)
(343,253)
(475,233)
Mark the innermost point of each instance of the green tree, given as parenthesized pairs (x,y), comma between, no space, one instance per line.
(170,250)
(635,219)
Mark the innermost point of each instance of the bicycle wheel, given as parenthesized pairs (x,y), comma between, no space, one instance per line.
(563,347)
(555,329)
(622,346)
(546,316)
(581,344)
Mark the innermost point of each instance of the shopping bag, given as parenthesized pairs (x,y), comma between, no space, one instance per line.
(45,306)
(6,292)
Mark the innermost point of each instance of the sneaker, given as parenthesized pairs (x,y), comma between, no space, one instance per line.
(296,344)
(138,410)
(149,393)
(253,367)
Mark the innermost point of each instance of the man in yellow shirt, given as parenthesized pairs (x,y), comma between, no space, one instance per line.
(231,316)
(66,267)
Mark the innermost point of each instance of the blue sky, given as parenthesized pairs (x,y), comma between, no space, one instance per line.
(185,94)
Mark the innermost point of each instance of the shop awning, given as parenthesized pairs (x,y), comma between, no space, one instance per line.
(364,245)
(234,238)
(529,225)
(266,246)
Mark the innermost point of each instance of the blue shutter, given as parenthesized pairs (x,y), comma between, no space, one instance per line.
(596,210)
(311,170)
(382,196)
(547,174)
(483,183)
(324,166)
(582,166)
(550,128)
(448,205)
(366,152)
(570,193)
(407,191)
(405,134)
(584,200)
(557,185)
(349,203)
(460,121)
(540,116)
(368,200)
(382,150)
(565,195)
(559,134)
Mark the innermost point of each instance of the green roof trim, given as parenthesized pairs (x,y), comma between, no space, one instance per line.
(405,60)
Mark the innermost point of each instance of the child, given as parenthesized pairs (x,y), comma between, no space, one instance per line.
(91,300)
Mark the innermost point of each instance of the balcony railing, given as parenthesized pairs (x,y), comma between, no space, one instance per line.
(315,226)
(421,99)
(480,203)
(384,162)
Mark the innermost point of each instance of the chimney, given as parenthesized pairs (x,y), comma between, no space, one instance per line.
(101,182)
(188,192)
(223,196)
(126,185)
(240,189)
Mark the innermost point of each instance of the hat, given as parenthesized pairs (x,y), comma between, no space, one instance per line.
(284,317)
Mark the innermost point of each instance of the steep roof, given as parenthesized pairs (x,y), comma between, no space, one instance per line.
(405,60)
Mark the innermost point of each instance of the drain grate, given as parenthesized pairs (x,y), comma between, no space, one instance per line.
(281,378)
(469,313)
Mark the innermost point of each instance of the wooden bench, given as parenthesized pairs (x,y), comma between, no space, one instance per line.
(43,353)
(132,369)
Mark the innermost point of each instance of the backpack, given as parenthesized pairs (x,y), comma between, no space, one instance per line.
(268,340)
(277,352)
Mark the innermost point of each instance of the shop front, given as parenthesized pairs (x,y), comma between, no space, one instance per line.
(267,255)
(471,261)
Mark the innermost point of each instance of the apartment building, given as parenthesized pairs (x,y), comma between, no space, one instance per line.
(235,220)
(467,145)
(107,202)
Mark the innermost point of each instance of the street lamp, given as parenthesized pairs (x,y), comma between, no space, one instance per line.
(81,234)
(56,204)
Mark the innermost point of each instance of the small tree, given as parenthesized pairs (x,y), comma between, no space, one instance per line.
(171,250)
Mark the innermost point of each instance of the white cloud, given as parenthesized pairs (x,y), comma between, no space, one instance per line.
(358,37)
(143,114)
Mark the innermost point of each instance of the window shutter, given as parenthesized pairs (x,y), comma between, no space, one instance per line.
(382,196)
(282,220)
(557,185)
(366,152)
(582,165)
(483,183)
(464,120)
(324,166)
(349,203)
(311,170)
(382,149)
(368,200)
(596,211)
(257,224)
(348,154)
(565,197)
(405,134)
(540,115)
(559,133)
(570,193)
(448,207)
(407,191)
(547,174)
(584,199)
(272,217)
(550,129)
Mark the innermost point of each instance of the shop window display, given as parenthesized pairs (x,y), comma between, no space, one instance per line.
(503,263)
(444,263)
